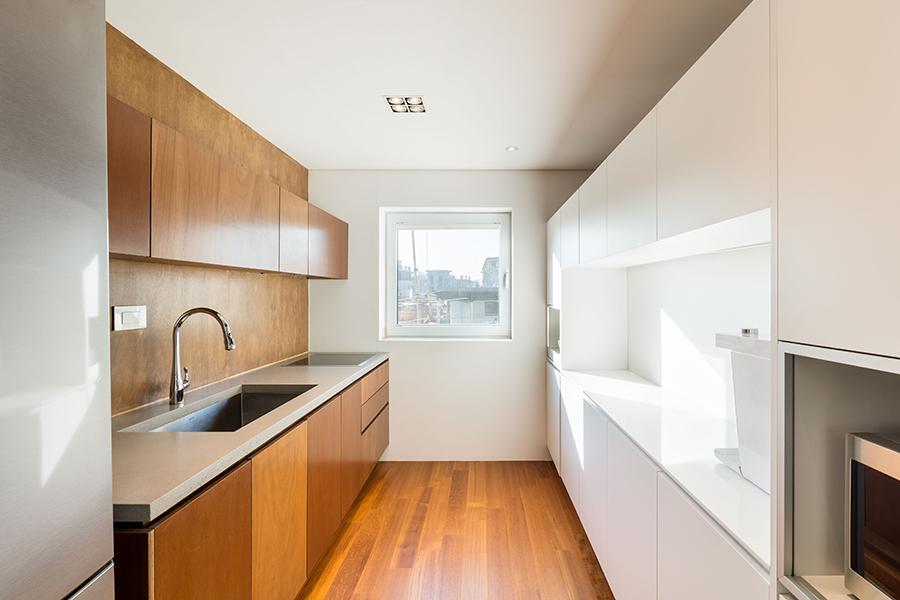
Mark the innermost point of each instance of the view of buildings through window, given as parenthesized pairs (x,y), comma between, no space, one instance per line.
(448,276)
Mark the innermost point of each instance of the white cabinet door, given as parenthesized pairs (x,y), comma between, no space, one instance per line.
(553,409)
(569,225)
(838,183)
(594,480)
(714,130)
(554,261)
(631,556)
(631,188)
(697,560)
(592,216)
(572,440)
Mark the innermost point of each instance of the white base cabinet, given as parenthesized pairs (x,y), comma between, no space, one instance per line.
(696,560)
(553,409)
(630,566)
(594,480)
(572,439)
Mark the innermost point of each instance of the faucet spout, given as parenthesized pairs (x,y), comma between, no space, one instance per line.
(180,379)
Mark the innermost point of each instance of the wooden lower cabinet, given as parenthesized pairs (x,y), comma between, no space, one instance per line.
(324,515)
(200,551)
(352,476)
(279,516)
(375,440)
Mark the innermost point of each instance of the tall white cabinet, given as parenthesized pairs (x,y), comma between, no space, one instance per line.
(553,412)
(594,480)
(838,183)
(592,216)
(554,261)
(571,439)
(631,188)
(569,227)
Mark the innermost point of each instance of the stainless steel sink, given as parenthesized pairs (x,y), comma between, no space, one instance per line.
(230,414)
(331,359)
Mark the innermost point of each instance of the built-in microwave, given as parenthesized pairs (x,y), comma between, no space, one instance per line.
(872,562)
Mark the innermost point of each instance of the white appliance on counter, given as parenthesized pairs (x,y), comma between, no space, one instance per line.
(752,377)
(55,496)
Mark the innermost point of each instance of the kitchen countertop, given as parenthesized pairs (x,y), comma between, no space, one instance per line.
(680,439)
(154,471)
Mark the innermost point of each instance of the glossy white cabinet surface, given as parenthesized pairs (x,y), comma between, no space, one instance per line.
(714,131)
(553,409)
(569,228)
(838,143)
(554,261)
(592,222)
(631,557)
(631,188)
(594,480)
(571,440)
(696,560)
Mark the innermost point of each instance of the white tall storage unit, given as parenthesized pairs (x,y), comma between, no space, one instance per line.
(592,214)
(594,486)
(569,224)
(553,413)
(631,188)
(572,440)
(554,261)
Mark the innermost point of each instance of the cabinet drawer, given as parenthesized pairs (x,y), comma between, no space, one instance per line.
(374,381)
(375,440)
(373,406)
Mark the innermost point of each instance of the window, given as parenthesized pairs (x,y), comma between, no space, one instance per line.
(447,274)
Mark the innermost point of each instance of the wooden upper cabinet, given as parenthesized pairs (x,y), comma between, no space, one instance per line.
(128,173)
(206,209)
(279,517)
(714,131)
(203,549)
(294,234)
(631,189)
(328,238)
(324,515)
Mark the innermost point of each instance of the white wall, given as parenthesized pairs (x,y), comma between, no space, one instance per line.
(460,400)
(675,308)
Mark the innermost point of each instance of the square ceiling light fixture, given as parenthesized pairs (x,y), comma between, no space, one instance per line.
(405,104)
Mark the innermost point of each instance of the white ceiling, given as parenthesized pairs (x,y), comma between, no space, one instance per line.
(564,80)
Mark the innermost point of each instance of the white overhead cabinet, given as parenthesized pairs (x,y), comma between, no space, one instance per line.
(697,561)
(631,188)
(714,130)
(571,439)
(631,555)
(592,222)
(553,411)
(594,480)
(839,189)
(554,261)
(569,227)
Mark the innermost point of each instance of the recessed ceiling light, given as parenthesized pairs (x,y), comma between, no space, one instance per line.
(406,104)
(395,100)
(402,108)
(412,100)
(512,148)
(417,108)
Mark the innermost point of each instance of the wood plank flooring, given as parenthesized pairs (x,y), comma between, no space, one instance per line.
(467,530)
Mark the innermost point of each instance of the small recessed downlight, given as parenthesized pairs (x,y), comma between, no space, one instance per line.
(417,108)
(512,148)
(395,100)
(401,108)
(413,100)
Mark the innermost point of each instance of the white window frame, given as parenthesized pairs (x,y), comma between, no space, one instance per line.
(443,218)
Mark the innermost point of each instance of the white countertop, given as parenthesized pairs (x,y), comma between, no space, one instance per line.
(154,471)
(680,440)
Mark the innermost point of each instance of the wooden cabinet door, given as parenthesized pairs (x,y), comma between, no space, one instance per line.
(714,131)
(293,253)
(351,446)
(630,564)
(128,176)
(554,261)
(693,548)
(592,222)
(571,439)
(328,238)
(375,441)
(279,516)
(208,210)
(203,549)
(569,254)
(594,480)
(631,185)
(553,414)
(324,508)
(838,187)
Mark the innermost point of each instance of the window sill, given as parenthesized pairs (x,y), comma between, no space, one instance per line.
(409,338)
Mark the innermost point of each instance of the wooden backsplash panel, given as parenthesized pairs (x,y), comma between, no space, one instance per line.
(267,313)
(138,79)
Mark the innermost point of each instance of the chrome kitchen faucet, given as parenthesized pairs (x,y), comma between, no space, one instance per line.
(178,382)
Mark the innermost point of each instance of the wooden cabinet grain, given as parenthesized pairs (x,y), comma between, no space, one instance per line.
(352,478)
(128,178)
(328,239)
(631,188)
(838,139)
(205,209)
(279,516)
(324,510)
(569,252)
(375,440)
(714,131)
(293,241)
(202,550)
(592,220)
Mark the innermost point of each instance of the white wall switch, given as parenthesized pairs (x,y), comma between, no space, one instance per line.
(129,317)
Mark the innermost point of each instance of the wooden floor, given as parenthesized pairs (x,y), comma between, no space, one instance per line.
(482,530)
